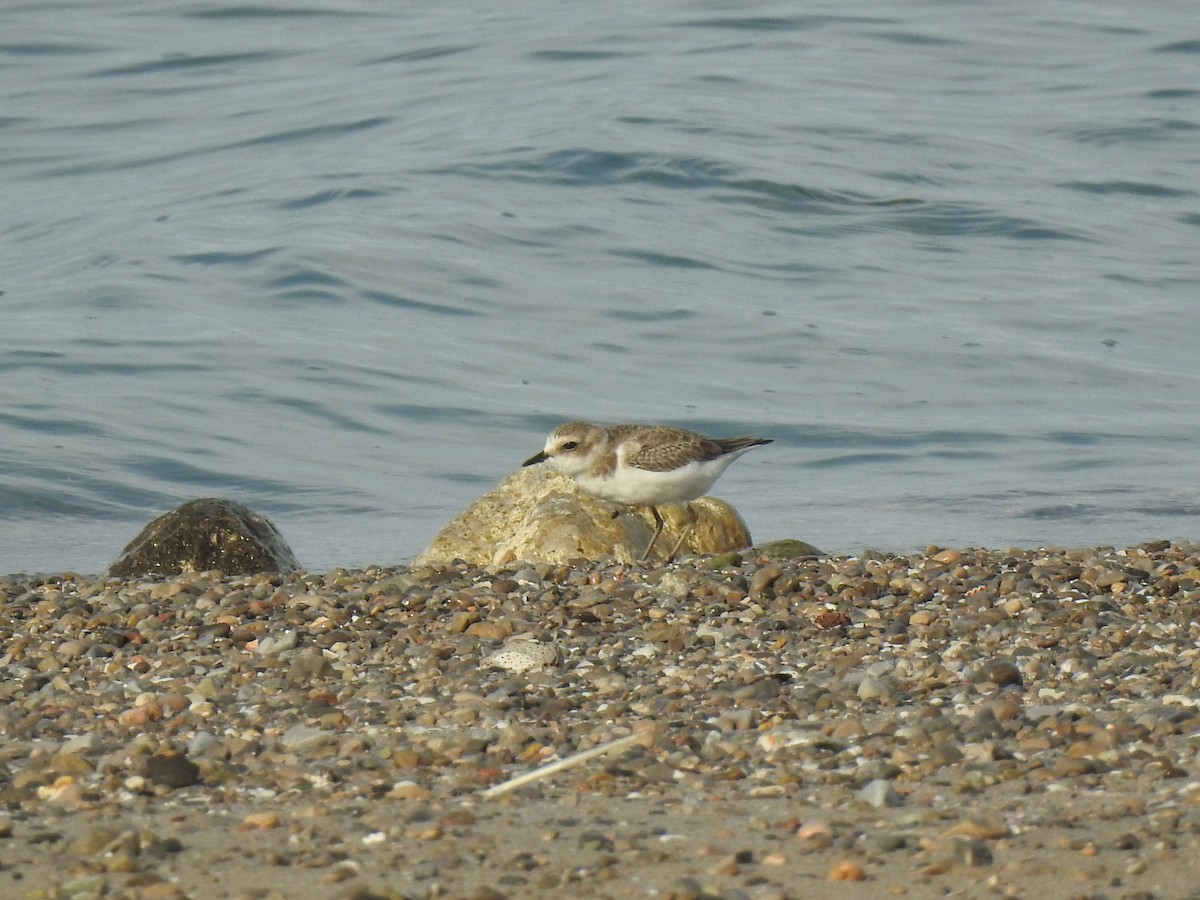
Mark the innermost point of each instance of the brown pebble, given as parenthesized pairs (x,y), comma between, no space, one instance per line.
(161,890)
(172,770)
(340,873)
(406,790)
(92,841)
(998,671)
(71,764)
(460,620)
(977,828)
(727,867)
(132,718)
(490,631)
(846,871)
(1070,766)
(763,580)
(846,729)
(260,821)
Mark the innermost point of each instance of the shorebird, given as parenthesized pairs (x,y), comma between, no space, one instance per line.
(642,465)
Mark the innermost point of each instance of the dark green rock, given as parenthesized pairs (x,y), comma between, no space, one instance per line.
(789,548)
(729,560)
(202,535)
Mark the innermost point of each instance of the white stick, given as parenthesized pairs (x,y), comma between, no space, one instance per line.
(574,759)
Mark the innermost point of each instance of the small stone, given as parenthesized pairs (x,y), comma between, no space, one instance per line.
(85,886)
(172,770)
(92,841)
(522,656)
(277,644)
(879,794)
(460,620)
(1001,672)
(72,649)
(301,738)
(343,871)
(847,730)
(872,688)
(260,821)
(305,667)
(488,631)
(1068,767)
(685,888)
(973,852)
(83,743)
(762,582)
(787,549)
(407,790)
(70,763)
(133,718)
(204,743)
(162,890)
(120,861)
(595,840)
(846,871)
(726,866)
(979,829)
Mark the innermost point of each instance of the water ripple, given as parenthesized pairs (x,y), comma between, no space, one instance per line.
(424,54)
(397,302)
(724,184)
(1190,46)
(256,11)
(287,135)
(177,62)
(664,259)
(782,23)
(1134,188)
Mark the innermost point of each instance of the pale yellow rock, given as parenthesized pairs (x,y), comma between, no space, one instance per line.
(538,515)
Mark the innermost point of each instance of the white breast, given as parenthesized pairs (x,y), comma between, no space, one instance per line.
(640,487)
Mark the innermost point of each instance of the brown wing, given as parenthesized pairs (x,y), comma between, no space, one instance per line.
(662,449)
(733,444)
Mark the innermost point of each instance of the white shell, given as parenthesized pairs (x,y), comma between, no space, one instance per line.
(522,655)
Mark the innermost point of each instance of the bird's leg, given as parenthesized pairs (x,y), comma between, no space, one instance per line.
(691,520)
(650,546)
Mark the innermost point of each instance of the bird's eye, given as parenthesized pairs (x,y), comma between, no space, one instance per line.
(570,445)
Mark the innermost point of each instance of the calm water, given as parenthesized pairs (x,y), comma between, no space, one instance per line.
(346,262)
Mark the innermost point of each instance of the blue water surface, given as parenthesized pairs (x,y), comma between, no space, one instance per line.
(346,262)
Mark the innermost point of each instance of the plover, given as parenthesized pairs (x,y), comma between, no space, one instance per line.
(642,465)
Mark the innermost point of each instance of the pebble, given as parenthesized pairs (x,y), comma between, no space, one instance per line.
(172,770)
(891,715)
(998,671)
(879,793)
(846,871)
(522,655)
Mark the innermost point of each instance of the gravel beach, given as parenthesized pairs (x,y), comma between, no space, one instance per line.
(953,723)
